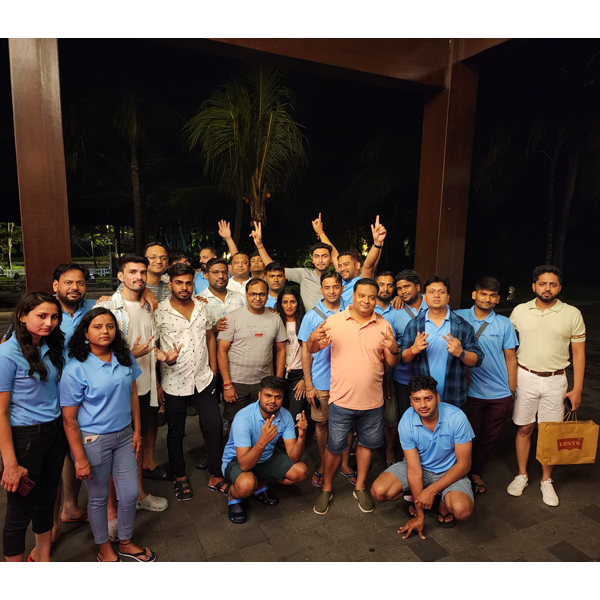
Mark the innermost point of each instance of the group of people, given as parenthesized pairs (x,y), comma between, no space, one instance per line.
(372,359)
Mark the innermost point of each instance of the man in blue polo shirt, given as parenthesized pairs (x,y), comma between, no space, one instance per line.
(492,385)
(275,278)
(436,439)
(249,459)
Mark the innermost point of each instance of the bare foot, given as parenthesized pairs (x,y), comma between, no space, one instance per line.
(131,548)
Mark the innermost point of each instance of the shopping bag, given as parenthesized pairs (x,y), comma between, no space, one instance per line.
(567,442)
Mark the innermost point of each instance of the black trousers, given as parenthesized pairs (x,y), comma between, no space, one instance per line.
(289,402)
(41,450)
(206,404)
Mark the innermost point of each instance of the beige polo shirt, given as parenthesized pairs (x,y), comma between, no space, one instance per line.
(544,336)
(357,360)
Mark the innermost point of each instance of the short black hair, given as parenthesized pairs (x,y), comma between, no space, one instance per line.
(150,244)
(181,269)
(130,258)
(384,274)
(175,255)
(66,267)
(353,254)
(330,274)
(274,266)
(211,249)
(255,253)
(422,382)
(256,280)
(273,383)
(490,284)
(366,281)
(237,254)
(539,271)
(437,279)
(408,275)
(214,261)
(321,246)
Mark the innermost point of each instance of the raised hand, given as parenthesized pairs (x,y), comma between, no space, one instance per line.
(224,229)
(420,343)
(140,350)
(302,424)
(318,225)
(268,433)
(454,346)
(256,234)
(389,342)
(379,232)
(171,355)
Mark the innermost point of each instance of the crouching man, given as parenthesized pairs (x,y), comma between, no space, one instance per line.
(250,460)
(436,440)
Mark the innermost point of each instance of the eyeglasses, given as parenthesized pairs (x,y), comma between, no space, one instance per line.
(257,295)
(217,273)
(153,258)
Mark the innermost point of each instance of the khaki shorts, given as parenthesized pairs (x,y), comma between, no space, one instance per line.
(320,415)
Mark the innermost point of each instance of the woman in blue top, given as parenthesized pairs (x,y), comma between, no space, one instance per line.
(32,441)
(99,403)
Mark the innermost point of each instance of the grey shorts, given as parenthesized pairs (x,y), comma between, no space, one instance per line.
(400,471)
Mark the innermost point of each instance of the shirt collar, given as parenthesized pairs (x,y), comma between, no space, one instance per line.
(98,364)
(383,311)
(348,316)
(416,419)
(489,319)
(556,308)
(321,306)
(446,318)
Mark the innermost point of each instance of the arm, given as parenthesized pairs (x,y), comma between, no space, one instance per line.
(256,235)
(473,353)
(13,472)
(372,259)
(211,344)
(306,369)
(415,482)
(390,348)
(83,469)
(230,394)
(510,356)
(280,364)
(578,350)
(136,420)
(318,227)
(411,346)
(295,447)
(225,233)
(248,457)
(318,339)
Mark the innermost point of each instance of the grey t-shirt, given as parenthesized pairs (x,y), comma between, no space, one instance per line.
(252,338)
(310,285)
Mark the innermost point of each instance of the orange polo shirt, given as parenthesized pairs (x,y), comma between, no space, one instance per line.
(357,361)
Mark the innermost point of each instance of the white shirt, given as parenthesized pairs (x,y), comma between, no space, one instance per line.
(293,350)
(234,286)
(140,324)
(217,308)
(192,369)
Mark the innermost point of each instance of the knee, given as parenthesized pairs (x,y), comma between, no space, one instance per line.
(379,490)
(463,511)
(299,472)
(322,425)
(525,430)
(245,485)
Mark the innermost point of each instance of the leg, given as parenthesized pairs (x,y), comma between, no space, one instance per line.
(523,446)
(369,425)
(390,442)
(176,412)
(390,424)
(387,488)
(294,406)
(475,409)
(345,467)
(331,463)
(457,503)
(71,486)
(341,421)
(149,462)
(244,486)
(298,473)
(320,416)
(363,462)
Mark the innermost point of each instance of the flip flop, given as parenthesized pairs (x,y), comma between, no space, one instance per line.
(159,473)
(318,476)
(478,488)
(82,519)
(100,560)
(446,524)
(350,476)
(136,556)
(222,487)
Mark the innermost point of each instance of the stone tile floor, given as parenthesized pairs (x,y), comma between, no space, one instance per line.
(502,528)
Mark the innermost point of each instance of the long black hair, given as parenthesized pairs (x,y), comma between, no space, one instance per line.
(300,311)
(55,340)
(80,350)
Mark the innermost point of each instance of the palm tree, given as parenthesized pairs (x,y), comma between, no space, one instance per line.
(250,143)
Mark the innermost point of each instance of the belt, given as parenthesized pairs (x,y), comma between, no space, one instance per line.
(543,374)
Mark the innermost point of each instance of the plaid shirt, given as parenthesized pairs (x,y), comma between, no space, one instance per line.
(455,385)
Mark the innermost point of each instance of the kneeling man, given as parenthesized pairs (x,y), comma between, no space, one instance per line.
(249,459)
(436,440)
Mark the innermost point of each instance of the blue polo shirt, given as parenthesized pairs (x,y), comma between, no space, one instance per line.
(396,320)
(102,390)
(32,401)
(247,427)
(437,351)
(403,372)
(436,448)
(349,290)
(271,302)
(321,367)
(200,283)
(490,380)
(69,324)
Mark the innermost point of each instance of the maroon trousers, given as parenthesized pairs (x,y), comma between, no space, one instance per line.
(487,418)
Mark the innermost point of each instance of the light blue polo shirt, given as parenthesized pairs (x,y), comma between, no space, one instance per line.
(321,367)
(437,351)
(436,448)
(69,324)
(403,372)
(32,401)
(247,427)
(271,302)
(102,390)
(490,380)
(200,283)
(349,290)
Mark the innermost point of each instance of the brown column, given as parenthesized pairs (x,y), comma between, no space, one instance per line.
(448,125)
(40,158)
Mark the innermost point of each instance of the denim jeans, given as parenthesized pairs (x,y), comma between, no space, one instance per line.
(368,423)
(111,454)
(41,450)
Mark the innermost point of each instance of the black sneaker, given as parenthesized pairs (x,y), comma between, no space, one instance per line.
(202,463)
(236,513)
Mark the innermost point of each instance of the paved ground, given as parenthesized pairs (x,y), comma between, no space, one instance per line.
(502,528)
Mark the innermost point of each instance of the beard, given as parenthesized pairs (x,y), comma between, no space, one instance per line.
(545,300)
(66,301)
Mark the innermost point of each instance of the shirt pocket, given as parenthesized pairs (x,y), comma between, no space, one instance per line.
(92,444)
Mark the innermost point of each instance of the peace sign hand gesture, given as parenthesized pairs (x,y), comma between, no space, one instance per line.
(420,343)
(171,355)
(388,342)
(256,234)
(454,345)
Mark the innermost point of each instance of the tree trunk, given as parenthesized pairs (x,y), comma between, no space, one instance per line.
(11,228)
(239,215)
(118,239)
(559,248)
(550,215)
(137,200)
(93,252)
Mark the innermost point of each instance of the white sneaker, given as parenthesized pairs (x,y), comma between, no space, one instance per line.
(517,485)
(548,494)
(153,503)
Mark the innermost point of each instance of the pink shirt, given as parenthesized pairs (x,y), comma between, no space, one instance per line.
(357,360)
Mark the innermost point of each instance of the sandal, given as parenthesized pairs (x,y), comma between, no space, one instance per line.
(159,473)
(222,487)
(138,555)
(446,524)
(319,482)
(183,491)
(350,477)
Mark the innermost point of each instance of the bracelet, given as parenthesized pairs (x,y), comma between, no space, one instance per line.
(84,466)
(259,248)
(262,447)
(376,246)
(228,383)
(230,387)
(138,435)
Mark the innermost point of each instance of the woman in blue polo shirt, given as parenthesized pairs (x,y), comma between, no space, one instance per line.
(99,405)
(32,441)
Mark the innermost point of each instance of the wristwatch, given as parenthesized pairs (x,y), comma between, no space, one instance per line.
(462,355)
(397,351)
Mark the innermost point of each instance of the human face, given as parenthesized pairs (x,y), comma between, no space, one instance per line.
(485,300)
(256,296)
(408,291)
(240,266)
(331,290)
(436,295)
(182,287)
(70,288)
(347,268)
(289,304)
(40,321)
(218,277)
(547,288)
(425,402)
(270,401)
(257,265)
(101,332)
(364,300)
(205,256)
(134,276)
(158,259)
(275,281)
(321,259)
(386,287)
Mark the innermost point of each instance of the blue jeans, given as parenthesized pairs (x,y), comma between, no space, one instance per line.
(368,423)
(111,454)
